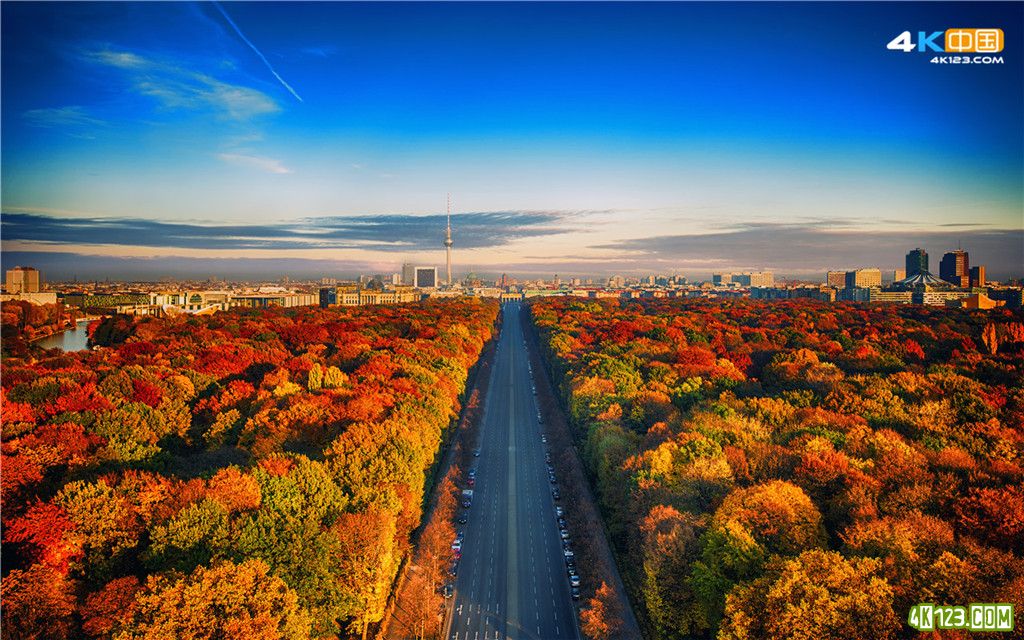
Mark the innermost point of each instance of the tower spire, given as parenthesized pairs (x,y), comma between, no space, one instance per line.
(448,242)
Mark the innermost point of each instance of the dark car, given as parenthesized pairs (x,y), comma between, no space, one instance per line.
(463,519)
(466,503)
(476,453)
(575,593)
(448,590)
(574,580)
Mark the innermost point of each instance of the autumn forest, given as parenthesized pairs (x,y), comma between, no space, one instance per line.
(763,470)
(795,469)
(253,474)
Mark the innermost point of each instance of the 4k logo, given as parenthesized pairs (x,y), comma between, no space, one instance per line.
(952,41)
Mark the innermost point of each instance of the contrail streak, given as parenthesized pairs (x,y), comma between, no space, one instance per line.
(257,51)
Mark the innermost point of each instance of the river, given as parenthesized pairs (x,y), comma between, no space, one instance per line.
(69,340)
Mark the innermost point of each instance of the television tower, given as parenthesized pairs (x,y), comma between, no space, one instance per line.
(448,241)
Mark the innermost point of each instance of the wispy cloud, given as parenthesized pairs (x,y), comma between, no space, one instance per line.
(269,165)
(395,232)
(176,87)
(818,245)
(323,51)
(257,51)
(73,116)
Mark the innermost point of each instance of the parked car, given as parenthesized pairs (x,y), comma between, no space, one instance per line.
(457,545)
(463,519)
(448,590)
(574,580)
(559,512)
(476,453)
(575,593)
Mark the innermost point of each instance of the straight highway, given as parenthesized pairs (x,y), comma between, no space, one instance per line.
(511,581)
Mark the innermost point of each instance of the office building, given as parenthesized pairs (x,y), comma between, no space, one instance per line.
(976,301)
(899,274)
(864,278)
(977,278)
(409,274)
(284,299)
(23,280)
(1012,296)
(328,297)
(746,279)
(955,268)
(917,262)
(754,279)
(836,279)
(937,297)
(425,278)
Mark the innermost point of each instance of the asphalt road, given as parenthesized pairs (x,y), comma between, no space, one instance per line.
(512,580)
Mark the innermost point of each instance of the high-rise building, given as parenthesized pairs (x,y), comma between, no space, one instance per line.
(23,280)
(955,268)
(754,279)
(425,277)
(328,297)
(899,274)
(409,274)
(917,262)
(864,278)
(836,279)
(720,279)
(977,278)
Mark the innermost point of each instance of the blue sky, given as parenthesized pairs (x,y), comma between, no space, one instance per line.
(300,139)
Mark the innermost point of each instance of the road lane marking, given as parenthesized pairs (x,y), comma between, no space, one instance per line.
(511,571)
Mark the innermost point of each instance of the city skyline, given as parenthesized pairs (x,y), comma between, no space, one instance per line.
(575,139)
